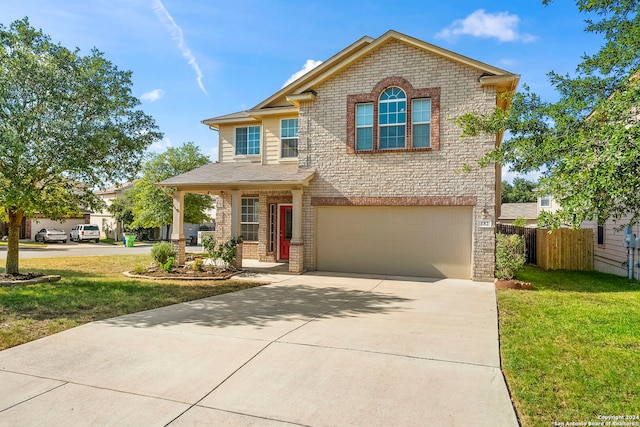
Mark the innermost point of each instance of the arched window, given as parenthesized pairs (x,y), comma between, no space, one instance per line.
(392,118)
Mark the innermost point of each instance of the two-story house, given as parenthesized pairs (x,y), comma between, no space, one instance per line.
(358,167)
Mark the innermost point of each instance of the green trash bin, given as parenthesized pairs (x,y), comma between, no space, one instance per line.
(130,239)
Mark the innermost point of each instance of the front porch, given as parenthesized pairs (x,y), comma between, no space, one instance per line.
(260,203)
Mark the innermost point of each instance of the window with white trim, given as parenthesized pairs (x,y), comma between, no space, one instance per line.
(249,221)
(545,201)
(364,126)
(421,122)
(247,140)
(392,118)
(289,138)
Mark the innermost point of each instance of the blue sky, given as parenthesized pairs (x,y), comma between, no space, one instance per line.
(195,59)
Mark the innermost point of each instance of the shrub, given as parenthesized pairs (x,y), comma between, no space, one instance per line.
(209,245)
(227,250)
(224,251)
(161,252)
(168,266)
(510,255)
(520,222)
(198,264)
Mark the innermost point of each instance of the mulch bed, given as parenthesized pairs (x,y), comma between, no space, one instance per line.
(514,284)
(15,277)
(186,273)
(26,279)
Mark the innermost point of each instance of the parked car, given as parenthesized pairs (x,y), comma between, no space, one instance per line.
(50,235)
(85,233)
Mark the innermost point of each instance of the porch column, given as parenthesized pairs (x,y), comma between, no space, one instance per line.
(296,249)
(177,233)
(235,213)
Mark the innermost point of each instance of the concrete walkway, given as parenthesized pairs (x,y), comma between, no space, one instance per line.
(312,350)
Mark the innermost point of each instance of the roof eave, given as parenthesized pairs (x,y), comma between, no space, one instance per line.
(215,123)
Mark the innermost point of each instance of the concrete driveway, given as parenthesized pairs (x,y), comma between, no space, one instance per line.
(311,350)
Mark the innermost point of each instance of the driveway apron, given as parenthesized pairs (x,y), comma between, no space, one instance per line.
(314,350)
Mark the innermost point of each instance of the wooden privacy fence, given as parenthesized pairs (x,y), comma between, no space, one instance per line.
(529,235)
(565,249)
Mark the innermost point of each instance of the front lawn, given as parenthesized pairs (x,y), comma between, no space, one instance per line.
(571,347)
(92,288)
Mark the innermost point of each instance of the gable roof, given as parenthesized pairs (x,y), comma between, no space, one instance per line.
(302,88)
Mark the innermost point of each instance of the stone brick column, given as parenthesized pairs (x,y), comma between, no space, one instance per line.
(296,248)
(237,261)
(177,233)
(179,246)
(296,257)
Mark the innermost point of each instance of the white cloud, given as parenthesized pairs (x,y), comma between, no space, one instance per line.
(502,26)
(308,66)
(153,95)
(178,36)
(162,145)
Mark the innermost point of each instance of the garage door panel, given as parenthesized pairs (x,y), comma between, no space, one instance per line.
(432,241)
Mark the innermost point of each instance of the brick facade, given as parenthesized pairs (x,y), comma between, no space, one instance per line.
(424,177)
(434,176)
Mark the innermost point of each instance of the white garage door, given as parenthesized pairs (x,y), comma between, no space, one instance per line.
(433,241)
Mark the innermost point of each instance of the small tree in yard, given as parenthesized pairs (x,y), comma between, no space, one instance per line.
(68,125)
(152,207)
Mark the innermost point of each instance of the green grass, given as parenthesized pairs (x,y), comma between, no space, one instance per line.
(571,347)
(91,288)
(111,241)
(26,244)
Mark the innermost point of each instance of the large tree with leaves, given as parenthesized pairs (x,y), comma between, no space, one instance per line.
(152,207)
(521,191)
(68,125)
(587,144)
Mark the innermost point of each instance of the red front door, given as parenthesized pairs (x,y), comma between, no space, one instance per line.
(286,217)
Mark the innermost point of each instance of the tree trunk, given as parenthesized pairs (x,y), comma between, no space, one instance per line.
(15,221)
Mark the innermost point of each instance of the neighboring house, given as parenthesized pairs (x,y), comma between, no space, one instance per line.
(609,252)
(547,203)
(110,228)
(358,167)
(509,212)
(34,224)
(30,226)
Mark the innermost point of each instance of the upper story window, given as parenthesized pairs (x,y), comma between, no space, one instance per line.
(394,117)
(545,201)
(289,138)
(247,140)
(421,122)
(364,126)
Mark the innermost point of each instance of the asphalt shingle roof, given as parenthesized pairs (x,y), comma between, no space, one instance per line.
(519,210)
(240,173)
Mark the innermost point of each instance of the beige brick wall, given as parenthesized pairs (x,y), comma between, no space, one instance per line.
(403,174)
